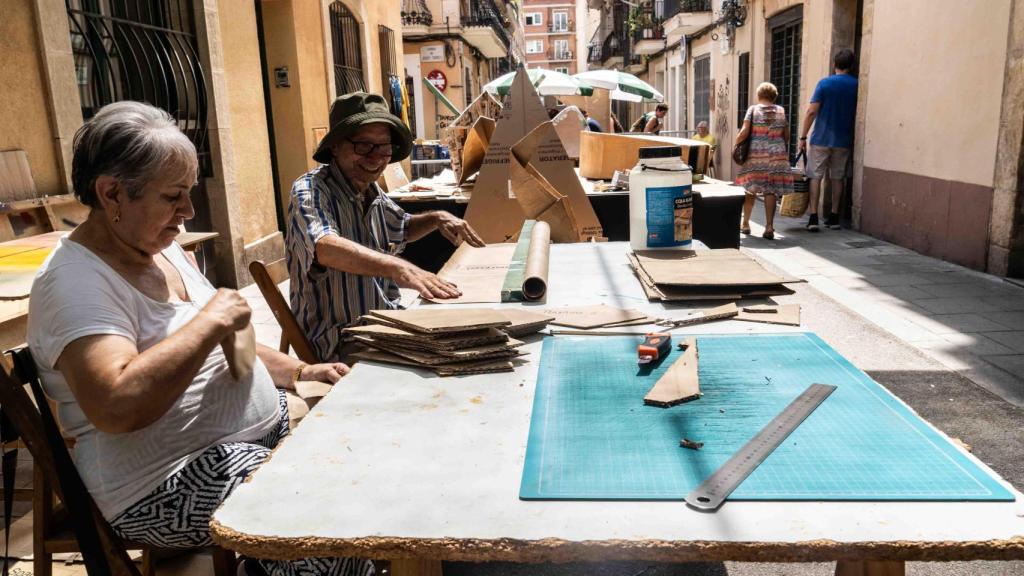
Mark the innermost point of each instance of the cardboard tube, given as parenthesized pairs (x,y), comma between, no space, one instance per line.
(535,276)
(240,352)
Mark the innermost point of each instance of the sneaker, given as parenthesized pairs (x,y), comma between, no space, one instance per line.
(812,223)
(832,221)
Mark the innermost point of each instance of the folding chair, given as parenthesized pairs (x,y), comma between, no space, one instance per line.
(75,524)
(267,277)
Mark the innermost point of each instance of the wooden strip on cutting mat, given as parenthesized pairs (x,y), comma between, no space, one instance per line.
(680,383)
(786,314)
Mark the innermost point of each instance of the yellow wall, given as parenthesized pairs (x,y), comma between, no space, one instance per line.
(815,63)
(937,113)
(253,179)
(455,91)
(24,117)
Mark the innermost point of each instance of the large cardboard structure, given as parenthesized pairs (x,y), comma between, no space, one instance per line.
(492,211)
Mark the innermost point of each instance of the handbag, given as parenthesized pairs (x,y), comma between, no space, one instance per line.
(741,150)
(795,204)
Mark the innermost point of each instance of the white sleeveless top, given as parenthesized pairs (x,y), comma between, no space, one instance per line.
(76,294)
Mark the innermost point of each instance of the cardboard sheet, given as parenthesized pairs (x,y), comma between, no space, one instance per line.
(457,369)
(478,272)
(16,181)
(785,314)
(680,383)
(569,123)
(722,312)
(442,320)
(455,134)
(524,322)
(722,267)
(545,183)
(595,316)
(453,341)
(427,358)
(475,147)
(492,212)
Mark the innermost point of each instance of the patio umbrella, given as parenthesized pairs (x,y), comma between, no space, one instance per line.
(547,82)
(620,83)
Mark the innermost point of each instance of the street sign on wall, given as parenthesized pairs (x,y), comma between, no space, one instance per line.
(438,79)
(433,53)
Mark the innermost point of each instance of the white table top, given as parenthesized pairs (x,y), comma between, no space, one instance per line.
(398,463)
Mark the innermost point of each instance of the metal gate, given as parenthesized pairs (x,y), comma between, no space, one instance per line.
(141,50)
(785,72)
(146,50)
(348,53)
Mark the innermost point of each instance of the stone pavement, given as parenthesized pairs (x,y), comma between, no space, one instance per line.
(970,322)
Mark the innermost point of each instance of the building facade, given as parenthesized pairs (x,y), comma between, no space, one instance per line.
(938,147)
(554,34)
(457,46)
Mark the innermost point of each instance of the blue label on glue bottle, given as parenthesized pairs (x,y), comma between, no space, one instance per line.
(669,216)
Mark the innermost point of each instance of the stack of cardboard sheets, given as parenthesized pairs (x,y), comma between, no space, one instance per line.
(450,342)
(724,274)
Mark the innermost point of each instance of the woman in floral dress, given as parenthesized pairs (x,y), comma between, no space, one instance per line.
(766,172)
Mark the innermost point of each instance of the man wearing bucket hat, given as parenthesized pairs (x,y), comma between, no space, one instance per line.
(344,234)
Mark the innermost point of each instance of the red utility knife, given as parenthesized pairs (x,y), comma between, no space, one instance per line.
(656,345)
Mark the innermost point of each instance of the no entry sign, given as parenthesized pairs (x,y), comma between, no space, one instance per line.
(438,79)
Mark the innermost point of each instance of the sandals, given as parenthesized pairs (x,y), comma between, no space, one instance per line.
(745,231)
(768,235)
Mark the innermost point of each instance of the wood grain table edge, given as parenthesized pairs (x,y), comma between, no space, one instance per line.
(561,551)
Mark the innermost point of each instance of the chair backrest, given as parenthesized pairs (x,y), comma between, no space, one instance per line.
(267,277)
(102,551)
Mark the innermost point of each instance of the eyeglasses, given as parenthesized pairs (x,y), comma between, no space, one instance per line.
(364,148)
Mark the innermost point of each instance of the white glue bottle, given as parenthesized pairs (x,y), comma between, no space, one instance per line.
(660,200)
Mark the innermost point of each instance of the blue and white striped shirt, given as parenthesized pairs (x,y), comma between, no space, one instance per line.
(325,300)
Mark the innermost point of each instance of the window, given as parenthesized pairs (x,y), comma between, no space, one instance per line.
(786,33)
(534,46)
(742,88)
(562,50)
(392,87)
(562,69)
(560,22)
(347,47)
(534,18)
(702,89)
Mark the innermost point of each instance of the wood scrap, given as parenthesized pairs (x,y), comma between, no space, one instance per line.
(701,316)
(691,444)
(785,314)
(680,383)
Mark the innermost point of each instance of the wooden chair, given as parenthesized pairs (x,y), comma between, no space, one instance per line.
(74,524)
(267,277)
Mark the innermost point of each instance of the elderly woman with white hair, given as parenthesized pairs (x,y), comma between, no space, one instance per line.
(127,335)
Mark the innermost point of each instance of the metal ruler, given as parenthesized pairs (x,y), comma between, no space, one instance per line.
(717,487)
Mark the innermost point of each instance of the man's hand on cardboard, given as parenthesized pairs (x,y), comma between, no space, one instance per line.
(456,230)
(427,284)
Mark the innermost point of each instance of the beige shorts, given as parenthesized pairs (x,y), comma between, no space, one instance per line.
(821,157)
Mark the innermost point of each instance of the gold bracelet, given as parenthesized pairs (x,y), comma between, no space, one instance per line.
(297,373)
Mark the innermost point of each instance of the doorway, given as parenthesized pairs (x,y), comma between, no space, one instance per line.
(784,49)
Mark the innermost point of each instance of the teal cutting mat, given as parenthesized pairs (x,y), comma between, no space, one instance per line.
(592,438)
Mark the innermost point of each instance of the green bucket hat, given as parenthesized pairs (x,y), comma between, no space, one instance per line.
(356,109)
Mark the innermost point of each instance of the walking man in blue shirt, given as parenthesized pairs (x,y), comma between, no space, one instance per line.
(833,110)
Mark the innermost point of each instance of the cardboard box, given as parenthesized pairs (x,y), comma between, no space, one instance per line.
(601,154)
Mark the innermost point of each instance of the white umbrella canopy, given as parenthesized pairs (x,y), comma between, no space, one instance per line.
(547,82)
(624,86)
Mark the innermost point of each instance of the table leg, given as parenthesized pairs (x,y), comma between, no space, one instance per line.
(870,568)
(415,567)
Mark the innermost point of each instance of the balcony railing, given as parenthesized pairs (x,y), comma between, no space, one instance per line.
(559,55)
(611,48)
(562,28)
(650,30)
(485,13)
(416,13)
(669,8)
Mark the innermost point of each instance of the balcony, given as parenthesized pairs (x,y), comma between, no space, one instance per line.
(649,37)
(611,51)
(634,64)
(416,18)
(559,56)
(484,29)
(562,27)
(684,17)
